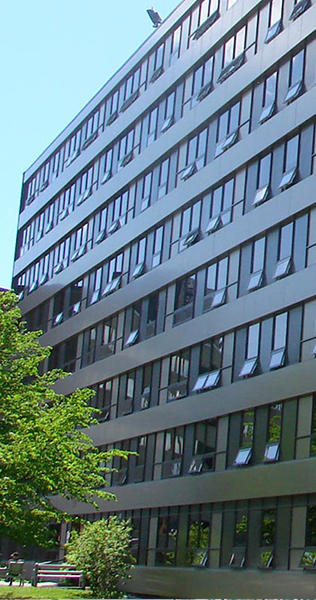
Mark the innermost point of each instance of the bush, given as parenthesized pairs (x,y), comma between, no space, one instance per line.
(101,551)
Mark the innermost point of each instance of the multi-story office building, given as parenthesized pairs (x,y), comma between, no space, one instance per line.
(167,248)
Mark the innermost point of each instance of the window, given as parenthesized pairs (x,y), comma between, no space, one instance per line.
(233,56)
(167,534)
(90,344)
(275,20)
(80,243)
(109,333)
(73,148)
(202,81)
(140,460)
(169,112)
(204,447)
(269,97)
(208,14)
(163,178)
(157,63)
(175,45)
(152,126)
(310,538)
(70,354)
(215,284)
(61,256)
(75,298)
(103,400)
(114,275)
(133,335)
(152,315)
(221,206)
(121,476)
(146,387)
(290,163)
(247,430)
(146,183)
(113,108)
(196,153)
(299,8)
(313,432)
(157,247)
(131,91)
(190,222)
(252,354)
(95,281)
(211,353)
(100,225)
(140,258)
(263,180)
(272,449)
(58,308)
(279,341)
(126,405)
(184,299)
(238,557)
(106,166)
(173,451)
(296,80)
(198,539)
(178,375)
(268,527)
(126,149)
(285,251)
(90,129)
(85,187)
(227,132)
(257,265)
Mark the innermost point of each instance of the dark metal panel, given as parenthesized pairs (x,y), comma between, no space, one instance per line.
(251,185)
(306,150)
(287,449)
(294,334)
(283,534)
(260,435)
(300,242)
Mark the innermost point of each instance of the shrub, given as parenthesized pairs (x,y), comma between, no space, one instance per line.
(101,551)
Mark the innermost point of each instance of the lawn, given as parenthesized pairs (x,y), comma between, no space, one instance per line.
(43,593)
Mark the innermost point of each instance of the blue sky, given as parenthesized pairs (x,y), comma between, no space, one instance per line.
(55,55)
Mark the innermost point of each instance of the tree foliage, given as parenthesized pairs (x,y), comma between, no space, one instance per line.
(43,451)
(102,552)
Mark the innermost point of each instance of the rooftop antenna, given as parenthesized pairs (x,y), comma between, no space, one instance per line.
(154,17)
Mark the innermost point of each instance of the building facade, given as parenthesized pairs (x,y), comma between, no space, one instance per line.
(167,248)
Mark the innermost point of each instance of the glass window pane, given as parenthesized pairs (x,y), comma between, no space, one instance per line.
(276,11)
(253,340)
(270,89)
(297,67)
(286,239)
(291,153)
(280,330)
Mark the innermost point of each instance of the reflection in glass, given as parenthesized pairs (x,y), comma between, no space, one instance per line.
(268,527)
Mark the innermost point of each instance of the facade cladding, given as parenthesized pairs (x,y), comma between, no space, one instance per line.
(167,248)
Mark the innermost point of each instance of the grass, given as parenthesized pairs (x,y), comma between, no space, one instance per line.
(43,593)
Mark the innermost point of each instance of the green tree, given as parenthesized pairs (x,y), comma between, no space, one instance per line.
(101,551)
(43,451)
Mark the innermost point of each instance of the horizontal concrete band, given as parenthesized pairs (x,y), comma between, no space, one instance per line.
(276,386)
(220,583)
(282,479)
(251,308)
